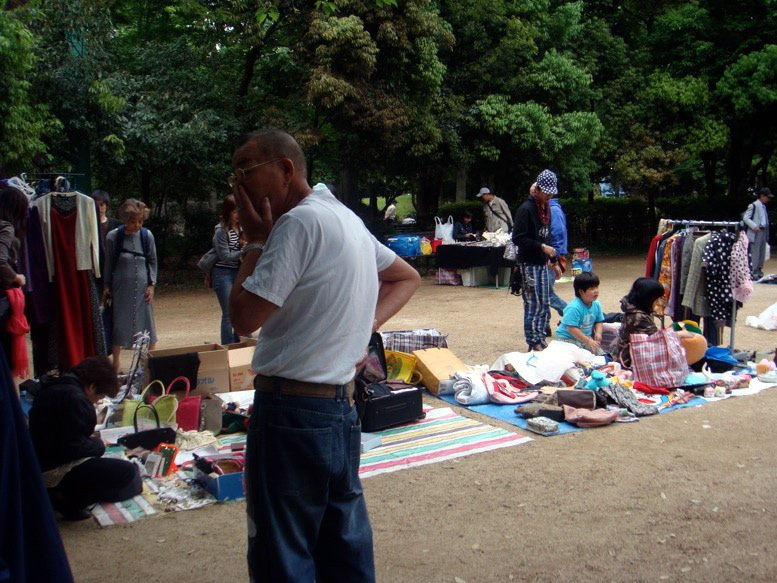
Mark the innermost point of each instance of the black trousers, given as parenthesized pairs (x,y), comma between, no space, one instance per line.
(96,480)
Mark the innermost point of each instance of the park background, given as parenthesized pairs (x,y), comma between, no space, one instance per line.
(672,102)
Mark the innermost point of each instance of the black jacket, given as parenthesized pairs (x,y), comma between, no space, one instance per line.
(62,421)
(529,234)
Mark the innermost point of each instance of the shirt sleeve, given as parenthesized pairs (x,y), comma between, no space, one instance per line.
(221,246)
(285,258)
(384,256)
(599,314)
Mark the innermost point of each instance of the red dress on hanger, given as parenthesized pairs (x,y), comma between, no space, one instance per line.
(74,318)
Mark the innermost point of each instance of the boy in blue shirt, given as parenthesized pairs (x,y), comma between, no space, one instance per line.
(583,317)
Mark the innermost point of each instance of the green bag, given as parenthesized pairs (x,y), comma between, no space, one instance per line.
(165,405)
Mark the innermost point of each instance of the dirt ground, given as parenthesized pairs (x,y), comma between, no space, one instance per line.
(686,496)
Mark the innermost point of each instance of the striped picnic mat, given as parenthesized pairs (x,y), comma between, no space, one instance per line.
(110,513)
(441,436)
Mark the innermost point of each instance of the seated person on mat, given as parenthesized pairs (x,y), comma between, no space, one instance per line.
(62,421)
(463,231)
(583,316)
(638,306)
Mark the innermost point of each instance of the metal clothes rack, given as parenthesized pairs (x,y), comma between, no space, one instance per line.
(737,225)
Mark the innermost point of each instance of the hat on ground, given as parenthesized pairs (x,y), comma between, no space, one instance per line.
(483,191)
(547,182)
(765,192)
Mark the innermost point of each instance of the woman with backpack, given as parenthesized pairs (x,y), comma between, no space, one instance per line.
(130,277)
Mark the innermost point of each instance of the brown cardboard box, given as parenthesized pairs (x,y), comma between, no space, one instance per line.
(213,373)
(435,365)
(241,377)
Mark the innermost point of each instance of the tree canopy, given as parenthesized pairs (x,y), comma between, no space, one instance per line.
(388,96)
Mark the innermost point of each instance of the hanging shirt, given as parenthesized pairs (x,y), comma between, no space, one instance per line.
(87,232)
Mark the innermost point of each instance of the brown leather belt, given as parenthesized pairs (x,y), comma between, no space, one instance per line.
(267,384)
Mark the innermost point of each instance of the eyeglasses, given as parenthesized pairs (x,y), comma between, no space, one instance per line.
(241,173)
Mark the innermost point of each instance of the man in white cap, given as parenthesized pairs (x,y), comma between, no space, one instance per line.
(536,255)
(756,220)
(497,212)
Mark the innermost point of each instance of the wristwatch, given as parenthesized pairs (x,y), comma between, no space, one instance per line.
(251,247)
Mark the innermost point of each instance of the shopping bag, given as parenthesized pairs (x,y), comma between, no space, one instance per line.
(658,360)
(149,438)
(188,414)
(442,230)
(399,365)
(207,261)
(164,407)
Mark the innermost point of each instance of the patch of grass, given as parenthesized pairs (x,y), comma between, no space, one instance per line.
(404,205)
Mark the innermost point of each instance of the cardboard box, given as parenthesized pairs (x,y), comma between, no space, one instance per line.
(582,266)
(241,377)
(435,365)
(223,487)
(213,374)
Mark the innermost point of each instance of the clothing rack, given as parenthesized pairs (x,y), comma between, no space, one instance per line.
(713,225)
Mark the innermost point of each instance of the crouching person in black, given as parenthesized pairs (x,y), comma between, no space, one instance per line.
(62,421)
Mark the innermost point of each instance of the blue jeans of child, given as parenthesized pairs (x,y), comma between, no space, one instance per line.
(307,517)
(222,279)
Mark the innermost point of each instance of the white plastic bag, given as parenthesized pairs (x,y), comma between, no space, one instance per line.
(766,320)
(442,230)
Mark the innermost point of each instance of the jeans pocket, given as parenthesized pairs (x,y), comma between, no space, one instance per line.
(298,460)
(353,458)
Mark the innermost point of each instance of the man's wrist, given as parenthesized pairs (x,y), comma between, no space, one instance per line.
(248,247)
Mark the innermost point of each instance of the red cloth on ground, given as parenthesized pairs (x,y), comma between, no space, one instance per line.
(71,288)
(17,326)
(650,390)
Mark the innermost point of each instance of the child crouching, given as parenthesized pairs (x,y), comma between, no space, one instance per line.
(583,316)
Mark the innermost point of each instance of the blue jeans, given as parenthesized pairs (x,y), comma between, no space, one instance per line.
(222,279)
(555,301)
(307,517)
(536,302)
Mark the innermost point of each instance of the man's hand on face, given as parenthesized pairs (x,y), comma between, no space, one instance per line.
(256,223)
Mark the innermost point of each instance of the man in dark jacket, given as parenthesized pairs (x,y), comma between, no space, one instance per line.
(62,421)
(531,234)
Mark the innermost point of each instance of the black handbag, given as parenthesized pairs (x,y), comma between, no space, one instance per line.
(149,438)
(382,404)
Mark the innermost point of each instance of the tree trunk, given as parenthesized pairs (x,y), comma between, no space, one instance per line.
(461,184)
(740,159)
(145,187)
(347,190)
(710,166)
(428,199)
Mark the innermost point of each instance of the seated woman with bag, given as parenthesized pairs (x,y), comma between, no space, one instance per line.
(62,421)
(637,307)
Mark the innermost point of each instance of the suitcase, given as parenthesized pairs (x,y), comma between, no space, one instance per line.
(381,404)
